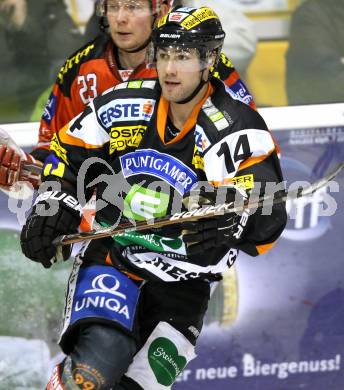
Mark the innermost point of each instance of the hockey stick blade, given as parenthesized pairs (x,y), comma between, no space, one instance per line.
(201,212)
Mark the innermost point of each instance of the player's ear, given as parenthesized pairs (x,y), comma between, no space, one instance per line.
(211,59)
(164,8)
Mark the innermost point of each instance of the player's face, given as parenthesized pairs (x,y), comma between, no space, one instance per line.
(179,72)
(130,22)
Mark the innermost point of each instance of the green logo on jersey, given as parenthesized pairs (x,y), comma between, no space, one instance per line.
(141,204)
(152,242)
(216,117)
(164,361)
(173,243)
(135,84)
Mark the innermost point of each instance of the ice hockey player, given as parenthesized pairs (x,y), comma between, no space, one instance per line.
(114,57)
(135,302)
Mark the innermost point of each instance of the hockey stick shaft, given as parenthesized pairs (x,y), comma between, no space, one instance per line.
(201,212)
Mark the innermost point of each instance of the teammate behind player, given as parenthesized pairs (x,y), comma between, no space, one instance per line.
(114,57)
(136,302)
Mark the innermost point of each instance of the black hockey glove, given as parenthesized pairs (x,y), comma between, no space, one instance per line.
(53,214)
(207,233)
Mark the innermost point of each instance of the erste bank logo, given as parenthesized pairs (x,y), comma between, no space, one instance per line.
(126,110)
(177,16)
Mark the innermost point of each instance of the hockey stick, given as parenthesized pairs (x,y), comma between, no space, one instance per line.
(201,212)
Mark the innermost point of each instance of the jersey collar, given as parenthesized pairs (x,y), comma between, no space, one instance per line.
(188,125)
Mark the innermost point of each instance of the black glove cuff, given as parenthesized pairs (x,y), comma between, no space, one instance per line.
(53,214)
(56,199)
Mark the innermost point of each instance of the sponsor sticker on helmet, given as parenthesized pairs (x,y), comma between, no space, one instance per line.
(190,22)
(186,9)
(198,17)
(205,13)
(177,16)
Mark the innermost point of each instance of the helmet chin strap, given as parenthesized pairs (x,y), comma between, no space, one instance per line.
(196,90)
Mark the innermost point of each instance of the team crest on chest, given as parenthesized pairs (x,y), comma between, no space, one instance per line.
(161,165)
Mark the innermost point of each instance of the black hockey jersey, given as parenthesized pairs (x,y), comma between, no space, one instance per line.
(118,146)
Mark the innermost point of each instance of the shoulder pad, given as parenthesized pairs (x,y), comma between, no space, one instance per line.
(91,50)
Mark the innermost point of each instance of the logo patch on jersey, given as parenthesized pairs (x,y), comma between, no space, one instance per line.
(125,73)
(201,140)
(126,110)
(56,147)
(135,84)
(165,360)
(126,136)
(246,181)
(50,108)
(53,166)
(153,242)
(150,84)
(142,203)
(215,115)
(104,292)
(197,160)
(238,91)
(161,165)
